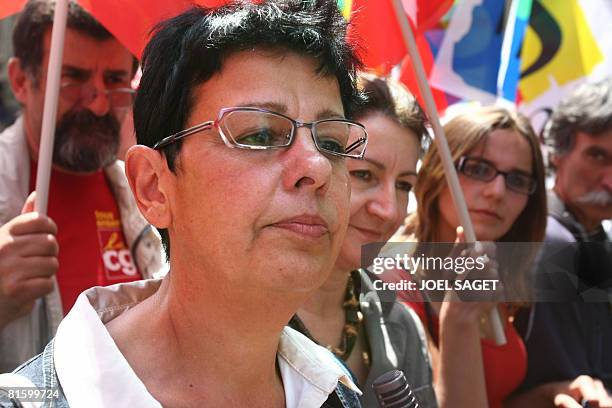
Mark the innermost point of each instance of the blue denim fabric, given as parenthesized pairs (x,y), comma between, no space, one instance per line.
(41,371)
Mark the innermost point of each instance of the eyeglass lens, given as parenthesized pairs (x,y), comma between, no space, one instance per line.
(84,95)
(481,170)
(265,129)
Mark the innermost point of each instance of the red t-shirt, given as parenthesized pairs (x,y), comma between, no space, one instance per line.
(505,366)
(92,247)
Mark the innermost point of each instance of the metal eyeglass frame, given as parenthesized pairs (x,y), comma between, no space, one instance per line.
(106,92)
(231,143)
(463,159)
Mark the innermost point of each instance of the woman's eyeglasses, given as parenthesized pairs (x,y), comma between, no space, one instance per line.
(482,170)
(261,129)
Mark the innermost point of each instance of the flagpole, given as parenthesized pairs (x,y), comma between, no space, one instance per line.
(506,49)
(47,135)
(440,139)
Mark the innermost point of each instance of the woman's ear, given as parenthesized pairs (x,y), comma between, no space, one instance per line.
(145,168)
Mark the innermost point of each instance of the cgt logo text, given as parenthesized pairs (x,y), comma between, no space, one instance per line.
(119,260)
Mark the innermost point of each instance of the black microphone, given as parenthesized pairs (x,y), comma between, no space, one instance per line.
(392,391)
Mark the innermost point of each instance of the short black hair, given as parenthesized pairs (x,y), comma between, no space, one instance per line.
(189,49)
(34,21)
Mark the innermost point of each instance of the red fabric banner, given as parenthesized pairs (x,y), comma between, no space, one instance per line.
(429,12)
(130,21)
(9,7)
(375,28)
(408,77)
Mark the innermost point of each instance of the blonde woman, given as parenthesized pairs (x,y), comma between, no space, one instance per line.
(502,176)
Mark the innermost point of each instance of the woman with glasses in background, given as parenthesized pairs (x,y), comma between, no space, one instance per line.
(369,336)
(501,173)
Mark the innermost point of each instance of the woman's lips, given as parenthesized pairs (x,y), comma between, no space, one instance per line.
(307,225)
(487,213)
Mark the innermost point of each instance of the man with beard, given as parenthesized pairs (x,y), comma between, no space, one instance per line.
(571,337)
(92,215)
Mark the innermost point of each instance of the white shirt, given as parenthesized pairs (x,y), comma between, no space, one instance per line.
(93,372)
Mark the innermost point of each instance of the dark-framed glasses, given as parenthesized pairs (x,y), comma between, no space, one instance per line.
(482,170)
(77,93)
(261,129)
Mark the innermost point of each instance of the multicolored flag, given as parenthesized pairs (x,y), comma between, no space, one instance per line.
(567,43)
(479,56)
(408,76)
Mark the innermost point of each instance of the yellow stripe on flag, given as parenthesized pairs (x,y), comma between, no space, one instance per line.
(576,57)
(345,8)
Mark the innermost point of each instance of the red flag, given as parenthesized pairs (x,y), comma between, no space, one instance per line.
(408,77)
(131,21)
(374,26)
(429,12)
(8,7)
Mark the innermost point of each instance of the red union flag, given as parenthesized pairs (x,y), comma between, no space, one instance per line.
(130,21)
(8,7)
(375,28)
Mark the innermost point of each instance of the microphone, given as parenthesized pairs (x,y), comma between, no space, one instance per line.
(392,391)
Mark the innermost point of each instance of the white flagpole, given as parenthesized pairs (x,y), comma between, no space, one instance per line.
(47,135)
(444,151)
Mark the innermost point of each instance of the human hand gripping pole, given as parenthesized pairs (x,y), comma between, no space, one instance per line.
(470,304)
(28,261)
(440,139)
